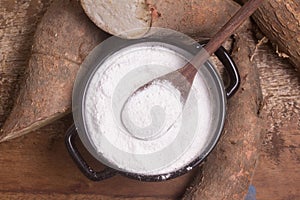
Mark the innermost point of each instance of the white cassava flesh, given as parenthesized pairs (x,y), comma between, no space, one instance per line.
(122,15)
(199,18)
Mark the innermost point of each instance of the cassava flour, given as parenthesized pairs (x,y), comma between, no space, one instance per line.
(151,132)
(152,111)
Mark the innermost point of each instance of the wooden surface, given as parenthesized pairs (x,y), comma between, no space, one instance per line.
(277,174)
(39,163)
(37,166)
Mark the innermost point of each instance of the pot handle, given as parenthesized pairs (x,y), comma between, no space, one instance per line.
(231,69)
(82,165)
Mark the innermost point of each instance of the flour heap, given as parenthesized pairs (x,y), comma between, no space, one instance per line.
(152,111)
(151,132)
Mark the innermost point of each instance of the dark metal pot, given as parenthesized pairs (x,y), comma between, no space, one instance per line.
(221,94)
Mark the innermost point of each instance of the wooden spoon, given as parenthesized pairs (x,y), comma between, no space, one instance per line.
(183,78)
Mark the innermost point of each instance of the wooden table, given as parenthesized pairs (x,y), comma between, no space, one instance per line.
(37,166)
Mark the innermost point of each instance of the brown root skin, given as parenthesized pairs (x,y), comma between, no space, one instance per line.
(229,168)
(279,21)
(199,18)
(62,40)
(195,18)
(18,21)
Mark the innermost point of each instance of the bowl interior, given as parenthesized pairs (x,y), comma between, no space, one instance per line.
(169,158)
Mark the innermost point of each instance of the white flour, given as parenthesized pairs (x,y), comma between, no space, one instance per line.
(151,112)
(153,133)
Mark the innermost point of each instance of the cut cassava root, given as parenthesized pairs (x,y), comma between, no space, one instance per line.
(62,40)
(134,18)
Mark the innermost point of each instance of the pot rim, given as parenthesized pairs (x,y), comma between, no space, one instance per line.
(80,88)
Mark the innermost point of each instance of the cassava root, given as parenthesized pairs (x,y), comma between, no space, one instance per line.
(280,22)
(134,18)
(62,40)
(229,168)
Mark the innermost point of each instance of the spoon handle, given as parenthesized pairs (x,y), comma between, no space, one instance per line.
(228,29)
